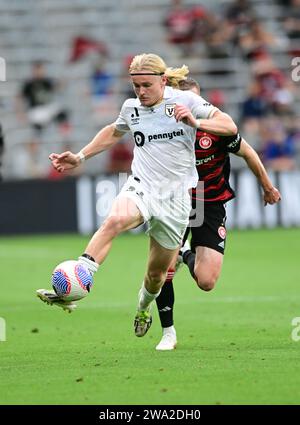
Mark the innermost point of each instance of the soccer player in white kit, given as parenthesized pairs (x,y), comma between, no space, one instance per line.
(163,121)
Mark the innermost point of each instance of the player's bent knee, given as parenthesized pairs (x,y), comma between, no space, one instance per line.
(206,283)
(206,286)
(156,276)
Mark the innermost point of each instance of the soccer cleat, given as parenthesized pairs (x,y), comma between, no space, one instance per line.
(142,323)
(167,342)
(49,297)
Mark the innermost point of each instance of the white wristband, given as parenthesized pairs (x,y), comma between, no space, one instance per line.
(81,156)
(91,265)
(198,124)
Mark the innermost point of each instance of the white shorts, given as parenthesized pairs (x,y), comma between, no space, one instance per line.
(167,217)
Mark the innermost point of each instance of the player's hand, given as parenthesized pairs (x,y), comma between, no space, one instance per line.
(184,114)
(272,196)
(64,161)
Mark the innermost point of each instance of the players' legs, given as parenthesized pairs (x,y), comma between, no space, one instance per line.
(165,304)
(208,241)
(165,300)
(124,215)
(207,267)
(159,261)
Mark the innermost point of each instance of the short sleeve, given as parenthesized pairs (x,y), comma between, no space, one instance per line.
(121,122)
(200,107)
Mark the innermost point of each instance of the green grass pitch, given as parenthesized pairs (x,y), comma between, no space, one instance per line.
(234,343)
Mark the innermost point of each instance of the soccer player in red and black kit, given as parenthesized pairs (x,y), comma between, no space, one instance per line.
(205,257)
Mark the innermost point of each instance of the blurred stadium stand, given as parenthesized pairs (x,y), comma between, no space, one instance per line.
(45,30)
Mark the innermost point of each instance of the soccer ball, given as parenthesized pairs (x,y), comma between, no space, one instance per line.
(71,280)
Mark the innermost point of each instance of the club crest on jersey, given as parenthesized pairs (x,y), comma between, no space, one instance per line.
(205,142)
(222,232)
(170,109)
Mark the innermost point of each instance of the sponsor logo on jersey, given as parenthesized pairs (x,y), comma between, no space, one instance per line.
(170,109)
(139,137)
(169,136)
(205,142)
(204,160)
(222,232)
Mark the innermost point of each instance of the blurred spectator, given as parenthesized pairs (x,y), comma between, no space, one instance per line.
(254,106)
(279,147)
(185,25)
(38,95)
(236,18)
(1,150)
(291,22)
(283,102)
(28,160)
(101,91)
(273,85)
(101,81)
(218,46)
(257,40)
(239,12)
(82,45)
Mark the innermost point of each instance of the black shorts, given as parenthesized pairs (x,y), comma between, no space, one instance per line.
(212,233)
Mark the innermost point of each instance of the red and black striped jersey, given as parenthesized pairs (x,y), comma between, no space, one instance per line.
(213,166)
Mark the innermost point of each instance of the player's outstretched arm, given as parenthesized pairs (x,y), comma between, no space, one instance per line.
(271,194)
(103,140)
(219,123)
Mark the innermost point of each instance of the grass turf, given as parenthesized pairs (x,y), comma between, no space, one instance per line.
(235,344)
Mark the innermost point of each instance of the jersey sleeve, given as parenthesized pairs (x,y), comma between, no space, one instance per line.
(121,122)
(233,143)
(200,107)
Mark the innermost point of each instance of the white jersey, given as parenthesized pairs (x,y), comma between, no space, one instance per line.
(164,156)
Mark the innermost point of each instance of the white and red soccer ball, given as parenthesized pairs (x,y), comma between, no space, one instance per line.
(71,280)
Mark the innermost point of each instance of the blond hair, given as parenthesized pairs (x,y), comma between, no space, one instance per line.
(154,64)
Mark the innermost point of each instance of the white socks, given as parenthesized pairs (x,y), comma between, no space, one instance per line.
(170,330)
(91,265)
(145,298)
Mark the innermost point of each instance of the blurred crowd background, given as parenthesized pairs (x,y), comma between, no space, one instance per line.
(67,73)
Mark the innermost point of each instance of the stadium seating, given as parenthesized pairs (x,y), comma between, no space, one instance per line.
(44,30)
